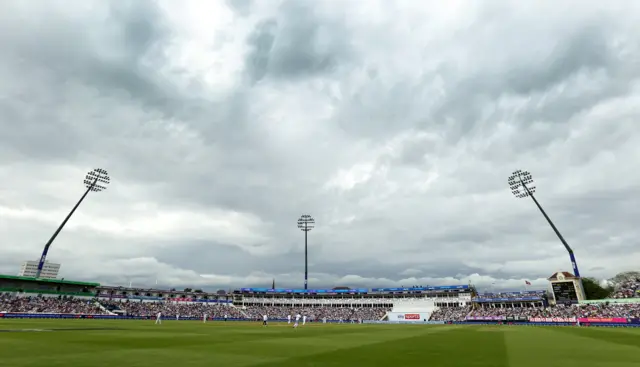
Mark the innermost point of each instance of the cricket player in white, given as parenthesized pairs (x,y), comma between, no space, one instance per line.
(324,320)
(177,317)
(295,325)
(264,320)
(288,319)
(204,318)
(304,319)
(159,318)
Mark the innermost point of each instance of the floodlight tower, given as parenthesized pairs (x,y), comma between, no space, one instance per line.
(96,180)
(306,223)
(521,184)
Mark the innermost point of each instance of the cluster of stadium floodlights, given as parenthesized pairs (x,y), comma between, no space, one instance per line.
(96,180)
(520,182)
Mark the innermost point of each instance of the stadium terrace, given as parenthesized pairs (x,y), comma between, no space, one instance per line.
(40,298)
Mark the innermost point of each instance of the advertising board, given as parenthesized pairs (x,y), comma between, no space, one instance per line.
(608,320)
(552,319)
(405,322)
(409,317)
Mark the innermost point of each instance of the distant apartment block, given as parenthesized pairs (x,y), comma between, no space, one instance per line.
(30,268)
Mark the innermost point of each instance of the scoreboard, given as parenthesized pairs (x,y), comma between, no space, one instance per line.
(564,292)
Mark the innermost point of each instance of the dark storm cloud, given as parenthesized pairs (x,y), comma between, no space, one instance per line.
(142,25)
(261,41)
(586,50)
(59,52)
(116,61)
(296,44)
(213,257)
(467,93)
(242,7)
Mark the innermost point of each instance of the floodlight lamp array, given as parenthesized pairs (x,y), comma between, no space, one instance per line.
(97,180)
(521,184)
(306,223)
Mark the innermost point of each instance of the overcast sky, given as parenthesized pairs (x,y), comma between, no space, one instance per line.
(395,124)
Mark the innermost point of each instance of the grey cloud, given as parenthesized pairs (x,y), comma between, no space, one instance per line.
(143,27)
(296,44)
(61,52)
(76,94)
(586,49)
(242,7)
(261,41)
(107,58)
(468,93)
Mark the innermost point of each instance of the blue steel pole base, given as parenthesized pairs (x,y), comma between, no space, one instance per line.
(576,272)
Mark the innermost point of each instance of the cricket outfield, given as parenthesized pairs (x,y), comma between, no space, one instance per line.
(136,343)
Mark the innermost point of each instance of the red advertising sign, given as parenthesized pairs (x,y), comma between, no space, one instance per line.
(181,299)
(615,320)
(412,316)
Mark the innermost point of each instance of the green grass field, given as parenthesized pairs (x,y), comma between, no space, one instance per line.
(190,343)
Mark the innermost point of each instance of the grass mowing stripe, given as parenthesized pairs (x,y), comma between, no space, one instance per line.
(139,358)
(551,346)
(319,340)
(621,336)
(449,349)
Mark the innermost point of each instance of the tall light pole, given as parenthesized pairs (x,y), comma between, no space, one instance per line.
(521,185)
(96,180)
(306,223)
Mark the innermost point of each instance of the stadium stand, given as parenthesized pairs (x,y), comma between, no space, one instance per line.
(67,305)
(352,304)
(318,313)
(70,305)
(441,303)
(450,314)
(173,309)
(624,310)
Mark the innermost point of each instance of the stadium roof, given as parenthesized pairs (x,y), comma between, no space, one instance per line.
(45,280)
(561,275)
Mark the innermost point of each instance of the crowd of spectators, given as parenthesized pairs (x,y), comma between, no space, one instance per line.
(627,310)
(68,305)
(629,288)
(318,313)
(10,303)
(173,309)
(511,294)
(558,311)
(450,314)
(623,310)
